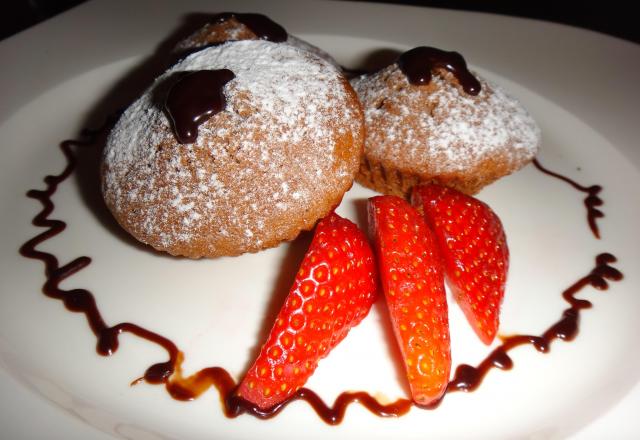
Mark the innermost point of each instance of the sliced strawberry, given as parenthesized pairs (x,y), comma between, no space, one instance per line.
(413,283)
(475,253)
(332,292)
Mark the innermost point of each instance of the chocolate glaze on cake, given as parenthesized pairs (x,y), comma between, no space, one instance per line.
(419,63)
(195,98)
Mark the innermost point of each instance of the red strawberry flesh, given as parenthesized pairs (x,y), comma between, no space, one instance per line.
(333,291)
(474,249)
(413,283)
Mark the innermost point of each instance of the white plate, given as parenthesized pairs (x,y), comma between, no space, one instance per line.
(579,85)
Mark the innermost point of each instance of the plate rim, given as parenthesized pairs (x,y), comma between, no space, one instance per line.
(10,50)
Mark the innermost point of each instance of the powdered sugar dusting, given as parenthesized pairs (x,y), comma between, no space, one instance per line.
(444,129)
(264,160)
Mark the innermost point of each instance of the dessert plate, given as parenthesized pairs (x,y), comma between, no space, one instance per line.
(216,311)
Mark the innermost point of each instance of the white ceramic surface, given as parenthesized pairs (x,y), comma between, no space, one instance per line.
(580,87)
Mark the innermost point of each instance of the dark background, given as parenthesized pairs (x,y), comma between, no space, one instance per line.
(610,17)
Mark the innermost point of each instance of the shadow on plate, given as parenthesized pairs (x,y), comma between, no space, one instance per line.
(372,62)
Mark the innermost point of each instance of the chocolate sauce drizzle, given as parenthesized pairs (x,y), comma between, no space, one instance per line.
(195,98)
(466,378)
(262,26)
(418,64)
(591,202)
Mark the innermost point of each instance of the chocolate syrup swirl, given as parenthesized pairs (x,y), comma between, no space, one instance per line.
(418,64)
(262,26)
(189,388)
(169,373)
(591,202)
(468,378)
(195,98)
(79,300)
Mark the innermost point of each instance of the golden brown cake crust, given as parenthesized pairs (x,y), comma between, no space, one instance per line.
(436,133)
(280,156)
